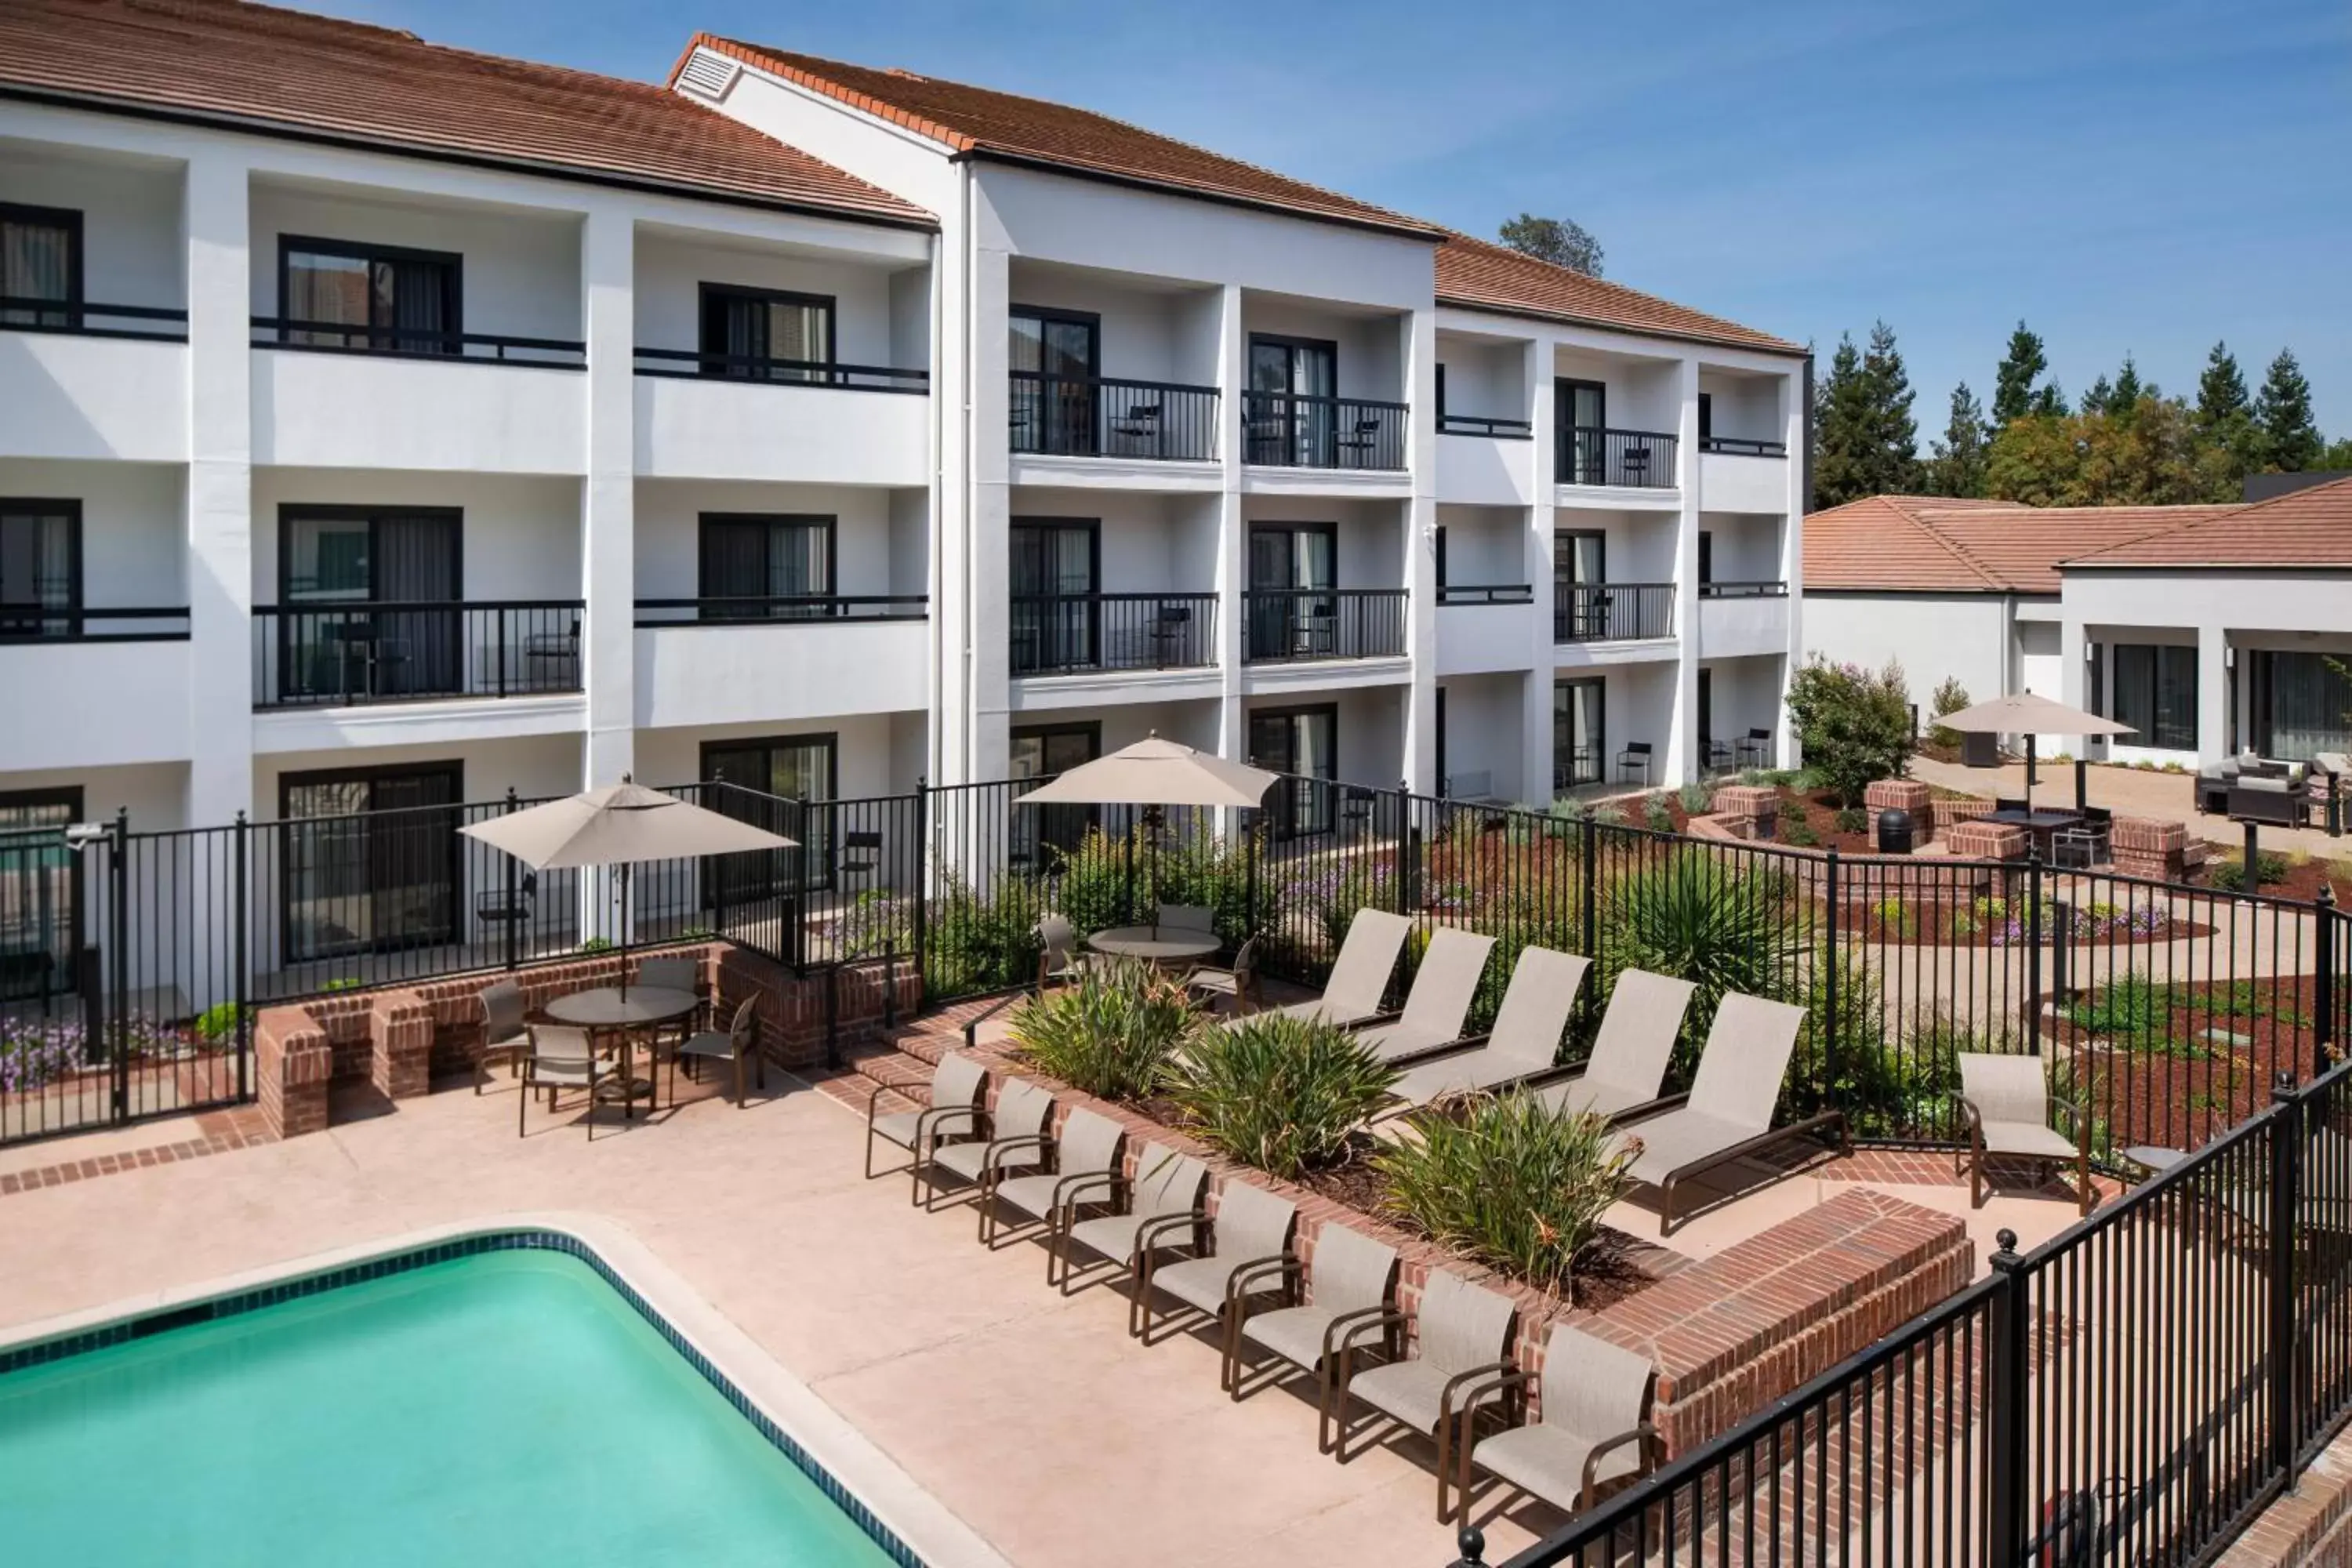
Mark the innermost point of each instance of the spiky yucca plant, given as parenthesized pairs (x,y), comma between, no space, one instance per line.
(1279,1092)
(1112,1033)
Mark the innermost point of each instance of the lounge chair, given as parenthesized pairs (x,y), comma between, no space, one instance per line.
(1353,1280)
(958,1105)
(1164,1210)
(1630,1053)
(1249,1253)
(1359,977)
(1439,1003)
(1016,1142)
(1086,1171)
(1526,1037)
(1728,1112)
(562,1056)
(506,1035)
(2005,1104)
(1595,1426)
(737,1045)
(1240,983)
(1464,1340)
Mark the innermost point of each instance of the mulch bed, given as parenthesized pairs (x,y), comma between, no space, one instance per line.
(2305,875)
(2203,1060)
(1945,916)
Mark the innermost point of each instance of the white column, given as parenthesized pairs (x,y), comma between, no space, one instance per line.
(1535,718)
(1232,530)
(2074,677)
(2213,675)
(954,606)
(608,498)
(220,487)
(1418,766)
(989,534)
(1681,762)
(1792,557)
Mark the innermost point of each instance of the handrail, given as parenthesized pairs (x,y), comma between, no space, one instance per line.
(1299,430)
(1612,612)
(340,653)
(415,343)
(1601,455)
(1487,594)
(1060,633)
(1450,424)
(1742,446)
(768,370)
(76,314)
(1108,416)
(782,609)
(1745,588)
(74,621)
(1289,626)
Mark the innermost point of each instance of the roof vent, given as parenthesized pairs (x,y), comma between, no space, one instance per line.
(709,75)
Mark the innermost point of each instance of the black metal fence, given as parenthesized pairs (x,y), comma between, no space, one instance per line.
(1058,634)
(1288,429)
(379,651)
(1097,416)
(2133,1392)
(1607,612)
(1288,624)
(1637,459)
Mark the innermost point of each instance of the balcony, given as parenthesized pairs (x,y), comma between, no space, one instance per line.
(93,381)
(130,663)
(741,416)
(1484,460)
(1737,474)
(1097,416)
(1284,429)
(1487,594)
(1762,588)
(368,652)
(1620,460)
(1612,612)
(1296,626)
(1068,634)
(1484,628)
(1741,446)
(335,395)
(1481,424)
(715,661)
(1740,618)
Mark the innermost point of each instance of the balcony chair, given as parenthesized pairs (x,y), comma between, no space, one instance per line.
(1637,755)
(1595,1428)
(1248,1253)
(1524,1042)
(551,660)
(2005,1105)
(1636,462)
(1462,1360)
(1239,982)
(1164,1209)
(861,854)
(495,907)
(1140,422)
(1756,750)
(1365,438)
(1621,1077)
(957,1109)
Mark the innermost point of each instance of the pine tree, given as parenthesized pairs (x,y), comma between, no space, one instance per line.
(2049,402)
(2225,420)
(2122,398)
(2100,398)
(1865,442)
(2289,441)
(2012,383)
(1958,466)
(1894,434)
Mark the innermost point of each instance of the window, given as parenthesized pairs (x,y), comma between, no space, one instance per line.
(1580,599)
(40,568)
(2300,703)
(766,334)
(1303,743)
(335,294)
(1441,394)
(764,563)
(1705,418)
(41,259)
(1292,612)
(1056,577)
(41,930)
(1706,559)
(2156,694)
(371,859)
(1578,733)
(1040,835)
(1291,419)
(1582,409)
(784,784)
(369,603)
(1054,357)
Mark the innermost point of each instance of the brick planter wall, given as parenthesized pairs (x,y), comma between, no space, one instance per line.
(2143,847)
(1900,795)
(1951,814)
(1988,841)
(400,1035)
(1749,811)
(292,1062)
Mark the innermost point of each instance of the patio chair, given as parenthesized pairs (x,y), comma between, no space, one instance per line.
(1058,957)
(958,1104)
(1248,1253)
(1755,749)
(1728,1112)
(1638,756)
(1439,1003)
(2004,1104)
(1016,1141)
(1360,978)
(1526,1037)
(737,1045)
(2087,844)
(505,1035)
(1186,917)
(1240,983)
(1164,1210)
(1086,1170)
(1351,1280)
(1464,1340)
(1631,1052)
(561,1058)
(672,973)
(1595,1428)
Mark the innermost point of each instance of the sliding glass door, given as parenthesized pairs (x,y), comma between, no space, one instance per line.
(1292,567)
(786,784)
(336,566)
(41,261)
(1291,416)
(2300,703)
(371,859)
(1304,741)
(1040,835)
(335,294)
(40,568)
(756,566)
(1582,409)
(1579,733)
(766,334)
(1057,574)
(40,924)
(1055,358)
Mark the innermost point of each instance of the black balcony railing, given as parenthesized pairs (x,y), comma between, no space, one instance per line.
(24,313)
(1480,425)
(695,365)
(1487,594)
(415,343)
(1062,634)
(84,623)
(1286,430)
(1636,459)
(761,611)
(1757,588)
(1611,612)
(1741,446)
(310,656)
(1293,625)
(1093,417)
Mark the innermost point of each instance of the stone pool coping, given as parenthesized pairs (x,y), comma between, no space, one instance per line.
(927,1528)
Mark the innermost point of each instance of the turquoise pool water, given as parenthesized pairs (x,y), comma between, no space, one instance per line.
(506,1408)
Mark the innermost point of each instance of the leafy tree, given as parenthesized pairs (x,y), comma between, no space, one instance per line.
(2012,383)
(2225,417)
(2101,458)
(1867,443)
(1561,241)
(1958,465)
(1854,726)
(2336,454)
(2290,442)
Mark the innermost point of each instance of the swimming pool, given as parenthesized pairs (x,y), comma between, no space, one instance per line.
(500,1400)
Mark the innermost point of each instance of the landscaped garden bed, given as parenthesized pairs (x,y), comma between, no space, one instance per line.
(2163,1056)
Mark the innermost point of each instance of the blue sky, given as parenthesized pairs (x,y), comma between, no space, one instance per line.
(2143,177)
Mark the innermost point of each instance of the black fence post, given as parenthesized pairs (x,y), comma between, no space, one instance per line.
(241,982)
(2323,985)
(1404,853)
(117,939)
(2008,1360)
(1472,1543)
(512,907)
(1127,899)
(1248,821)
(1588,834)
(1830,979)
(2286,1148)
(2033,949)
(922,878)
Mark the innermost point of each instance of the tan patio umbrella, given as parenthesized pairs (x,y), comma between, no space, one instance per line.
(1153,774)
(2023,713)
(620,825)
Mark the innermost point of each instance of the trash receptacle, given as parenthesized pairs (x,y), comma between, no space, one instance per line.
(1894,832)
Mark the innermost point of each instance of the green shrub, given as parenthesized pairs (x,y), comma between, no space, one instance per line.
(1949,698)
(983,942)
(1110,1033)
(1280,1093)
(1658,814)
(1852,819)
(1854,725)
(1888,1086)
(1796,827)
(217,1025)
(1698,797)
(597,944)
(1567,808)
(1608,813)
(1509,1182)
(2230,875)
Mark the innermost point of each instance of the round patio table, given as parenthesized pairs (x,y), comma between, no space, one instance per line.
(1157,944)
(606,1011)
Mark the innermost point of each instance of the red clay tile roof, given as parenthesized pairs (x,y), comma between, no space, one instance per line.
(2301,528)
(1880,542)
(980,121)
(1486,277)
(2024,546)
(265,68)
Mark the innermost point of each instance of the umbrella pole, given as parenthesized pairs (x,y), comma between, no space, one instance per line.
(2028,778)
(626,869)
